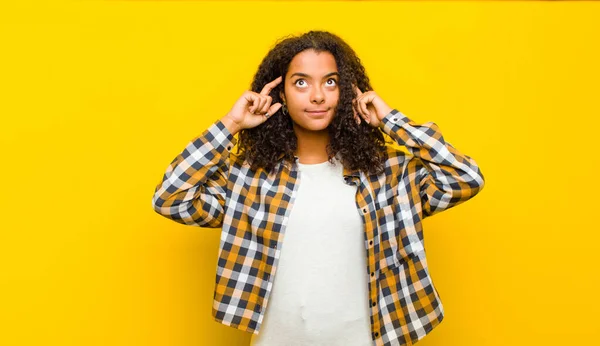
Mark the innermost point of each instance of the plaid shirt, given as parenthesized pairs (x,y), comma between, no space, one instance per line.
(207,186)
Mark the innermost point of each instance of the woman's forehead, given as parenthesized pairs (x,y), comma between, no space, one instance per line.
(313,64)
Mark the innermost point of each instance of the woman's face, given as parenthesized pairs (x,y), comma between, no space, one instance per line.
(311,84)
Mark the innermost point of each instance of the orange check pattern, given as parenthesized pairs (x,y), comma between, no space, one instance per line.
(206,185)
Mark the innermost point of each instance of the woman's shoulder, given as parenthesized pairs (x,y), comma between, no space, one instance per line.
(239,164)
(397,155)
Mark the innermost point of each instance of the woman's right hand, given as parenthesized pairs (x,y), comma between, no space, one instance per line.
(252,109)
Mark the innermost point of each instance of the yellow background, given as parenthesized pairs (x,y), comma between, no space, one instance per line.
(98,97)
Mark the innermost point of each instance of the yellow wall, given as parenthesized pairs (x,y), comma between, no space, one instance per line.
(98,97)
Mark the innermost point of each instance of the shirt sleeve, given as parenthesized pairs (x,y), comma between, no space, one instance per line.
(445,177)
(194,187)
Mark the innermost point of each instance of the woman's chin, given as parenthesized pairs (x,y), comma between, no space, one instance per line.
(314,124)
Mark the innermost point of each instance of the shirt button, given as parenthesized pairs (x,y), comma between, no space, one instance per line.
(372,273)
(365,210)
(371,242)
(229,147)
(376,334)
(394,119)
(374,303)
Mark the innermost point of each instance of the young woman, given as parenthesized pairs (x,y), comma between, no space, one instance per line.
(322,240)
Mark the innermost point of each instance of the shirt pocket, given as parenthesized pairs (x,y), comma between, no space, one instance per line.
(408,232)
(388,237)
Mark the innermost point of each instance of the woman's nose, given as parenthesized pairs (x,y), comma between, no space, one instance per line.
(317,96)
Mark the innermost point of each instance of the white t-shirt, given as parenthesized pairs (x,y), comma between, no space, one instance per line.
(320,289)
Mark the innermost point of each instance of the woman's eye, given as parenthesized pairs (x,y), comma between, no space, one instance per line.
(304,82)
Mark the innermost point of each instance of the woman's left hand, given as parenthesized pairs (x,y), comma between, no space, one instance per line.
(369,107)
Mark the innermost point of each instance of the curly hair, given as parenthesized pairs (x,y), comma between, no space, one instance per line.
(360,146)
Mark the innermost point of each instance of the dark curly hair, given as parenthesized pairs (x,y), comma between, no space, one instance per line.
(360,146)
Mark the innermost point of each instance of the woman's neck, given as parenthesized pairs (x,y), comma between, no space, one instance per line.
(312,145)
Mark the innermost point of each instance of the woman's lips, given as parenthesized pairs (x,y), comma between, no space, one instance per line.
(316,114)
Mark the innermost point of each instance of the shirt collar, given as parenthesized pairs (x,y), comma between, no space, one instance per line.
(348,172)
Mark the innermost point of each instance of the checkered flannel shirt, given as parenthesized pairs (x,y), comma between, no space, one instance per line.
(206,185)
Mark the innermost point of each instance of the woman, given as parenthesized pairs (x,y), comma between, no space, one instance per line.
(313,168)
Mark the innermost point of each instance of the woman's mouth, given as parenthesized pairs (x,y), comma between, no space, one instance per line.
(316,112)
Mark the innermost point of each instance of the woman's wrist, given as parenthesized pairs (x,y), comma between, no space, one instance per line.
(231,125)
(385,110)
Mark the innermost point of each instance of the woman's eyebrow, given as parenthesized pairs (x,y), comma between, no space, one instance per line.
(305,75)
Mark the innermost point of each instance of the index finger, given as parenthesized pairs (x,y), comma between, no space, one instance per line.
(269,86)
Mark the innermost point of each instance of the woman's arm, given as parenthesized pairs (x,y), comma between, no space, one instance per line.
(193,188)
(445,176)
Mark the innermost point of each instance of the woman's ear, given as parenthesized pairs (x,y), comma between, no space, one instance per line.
(282,96)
